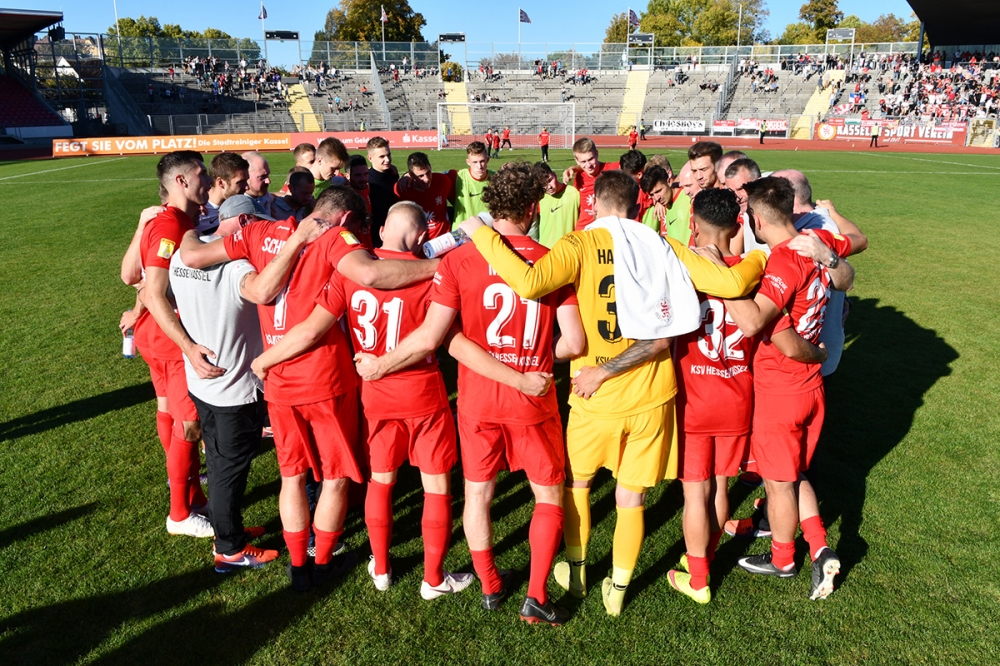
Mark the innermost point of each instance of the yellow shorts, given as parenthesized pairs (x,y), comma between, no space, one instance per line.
(640,450)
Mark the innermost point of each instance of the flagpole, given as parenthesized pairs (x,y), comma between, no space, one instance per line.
(519,38)
(382,21)
(263,31)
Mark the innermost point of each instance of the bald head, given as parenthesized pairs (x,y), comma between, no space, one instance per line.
(687,182)
(803,190)
(260,174)
(405,227)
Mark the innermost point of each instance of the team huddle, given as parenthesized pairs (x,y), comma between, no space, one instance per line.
(699,314)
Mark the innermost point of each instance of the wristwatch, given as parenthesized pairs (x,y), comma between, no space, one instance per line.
(834,260)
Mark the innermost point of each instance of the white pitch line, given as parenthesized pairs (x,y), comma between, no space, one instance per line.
(923,159)
(103,180)
(75,166)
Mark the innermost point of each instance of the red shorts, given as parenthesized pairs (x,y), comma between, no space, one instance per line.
(703,456)
(322,436)
(538,449)
(786,429)
(427,441)
(170,382)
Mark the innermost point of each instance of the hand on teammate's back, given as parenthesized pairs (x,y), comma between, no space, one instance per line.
(587,380)
(199,355)
(367,367)
(711,253)
(259,369)
(810,246)
(312,228)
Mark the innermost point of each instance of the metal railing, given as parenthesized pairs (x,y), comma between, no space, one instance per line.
(377,87)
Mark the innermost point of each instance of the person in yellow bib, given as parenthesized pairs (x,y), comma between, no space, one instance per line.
(622,408)
(559,208)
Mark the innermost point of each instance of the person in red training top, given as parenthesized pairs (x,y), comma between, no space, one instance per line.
(489,138)
(312,399)
(633,138)
(789,401)
(498,426)
(634,163)
(496,144)
(163,342)
(506,139)
(543,141)
(714,401)
(421,429)
(588,168)
(430,191)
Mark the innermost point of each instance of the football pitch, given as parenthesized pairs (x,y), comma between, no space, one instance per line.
(906,469)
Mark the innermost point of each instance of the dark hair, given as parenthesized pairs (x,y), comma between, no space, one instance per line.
(178,160)
(632,162)
(617,190)
(477,148)
(717,207)
(342,197)
(512,190)
(544,171)
(299,174)
(331,147)
(357,160)
(652,177)
(771,197)
(703,148)
(743,163)
(302,149)
(418,160)
(225,166)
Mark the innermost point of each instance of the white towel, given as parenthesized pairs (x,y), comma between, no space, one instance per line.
(653,291)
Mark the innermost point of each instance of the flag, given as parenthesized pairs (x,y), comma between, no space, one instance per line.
(263,13)
(385,17)
(524,17)
(632,18)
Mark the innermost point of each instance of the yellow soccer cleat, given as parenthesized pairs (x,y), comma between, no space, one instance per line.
(571,578)
(614,597)
(681,581)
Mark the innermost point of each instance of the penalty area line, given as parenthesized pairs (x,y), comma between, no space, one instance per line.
(74,166)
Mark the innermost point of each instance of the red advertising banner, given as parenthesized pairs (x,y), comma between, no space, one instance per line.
(950,133)
(357,140)
(773,124)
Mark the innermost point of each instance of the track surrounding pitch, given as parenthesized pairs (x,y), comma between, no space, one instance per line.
(905,470)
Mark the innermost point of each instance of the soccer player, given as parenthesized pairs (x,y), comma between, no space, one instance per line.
(788,396)
(489,139)
(633,138)
(633,163)
(305,155)
(260,179)
(163,342)
(331,159)
(428,190)
(499,427)
(588,168)
(622,410)
(496,144)
(558,210)
(506,140)
(702,157)
(230,175)
(382,177)
(714,400)
(543,141)
(298,199)
(675,203)
(358,178)
(312,399)
(469,183)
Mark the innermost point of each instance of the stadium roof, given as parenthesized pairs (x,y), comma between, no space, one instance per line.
(16,25)
(959,22)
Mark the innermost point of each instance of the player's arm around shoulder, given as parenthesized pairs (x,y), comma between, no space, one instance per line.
(717,279)
(296,341)
(589,378)
(195,254)
(477,359)
(265,286)
(368,271)
(815,246)
(572,340)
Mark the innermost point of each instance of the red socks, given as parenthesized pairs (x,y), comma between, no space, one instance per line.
(815,534)
(782,554)
(298,546)
(713,545)
(486,569)
(196,496)
(178,471)
(436,525)
(164,426)
(378,518)
(326,542)
(544,535)
(698,568)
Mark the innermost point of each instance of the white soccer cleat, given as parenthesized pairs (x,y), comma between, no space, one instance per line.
(194,525)
(452,583)
(382,581)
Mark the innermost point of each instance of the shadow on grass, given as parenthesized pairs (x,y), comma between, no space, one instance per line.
(35,526)
(78,410)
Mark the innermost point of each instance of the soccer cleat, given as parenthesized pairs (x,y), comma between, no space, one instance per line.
(300,578)
(335,568)
(452,583)
(761,564)
(563,574)
(194,525)
(254,532)
(756,526)
(752,479)
(533,612)
(382,581)
(200,510)
(251,557)
(614,597)
(339,550)
(682,565)
(492,601)
(824,568)
(681,581)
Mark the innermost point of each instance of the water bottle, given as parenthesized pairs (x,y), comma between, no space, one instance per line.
(128,344)
(446,243)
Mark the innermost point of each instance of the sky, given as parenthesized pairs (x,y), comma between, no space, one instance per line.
(559,21)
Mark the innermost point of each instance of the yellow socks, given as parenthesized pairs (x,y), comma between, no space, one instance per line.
(629,532)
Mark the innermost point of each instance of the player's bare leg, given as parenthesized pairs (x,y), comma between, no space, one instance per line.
(479,534)
(783,515)
(328,520)
(572,574)
(629,532)
(544,536)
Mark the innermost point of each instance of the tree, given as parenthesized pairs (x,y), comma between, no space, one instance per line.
(799,33)
(617,31)
(456,71)
(141,27)
(822,14)
(359,21)
(667,29)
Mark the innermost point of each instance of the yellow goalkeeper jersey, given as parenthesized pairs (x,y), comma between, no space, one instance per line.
(585,259)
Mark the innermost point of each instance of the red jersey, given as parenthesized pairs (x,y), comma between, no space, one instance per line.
(515,330)
(713,371)
(585,184)
(543,139)
(633,137)
(434,201)
(799,287)
(496,140)
(645,203)
(378,320)
(160,239)
(327,369)
(489,139)
(506,134)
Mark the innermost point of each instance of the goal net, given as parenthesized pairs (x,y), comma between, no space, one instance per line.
(458,125)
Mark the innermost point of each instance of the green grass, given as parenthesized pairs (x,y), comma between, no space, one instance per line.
(905,471)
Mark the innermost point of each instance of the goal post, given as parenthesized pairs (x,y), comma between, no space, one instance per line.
(459,124)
